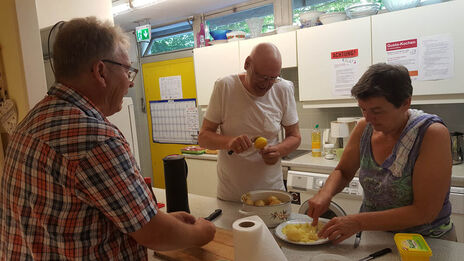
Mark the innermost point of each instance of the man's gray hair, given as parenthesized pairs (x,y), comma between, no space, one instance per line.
(81,42)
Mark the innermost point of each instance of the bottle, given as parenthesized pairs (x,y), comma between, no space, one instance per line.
(202,35)
(316,142)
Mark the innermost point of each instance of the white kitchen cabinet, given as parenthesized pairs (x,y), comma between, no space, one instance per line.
(431,20)
(202,177)
(315,66)
(286,42)
(212,63)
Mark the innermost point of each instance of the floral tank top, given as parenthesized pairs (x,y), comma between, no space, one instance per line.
(389,185)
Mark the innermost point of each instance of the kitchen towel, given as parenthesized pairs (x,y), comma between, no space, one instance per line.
(254,242)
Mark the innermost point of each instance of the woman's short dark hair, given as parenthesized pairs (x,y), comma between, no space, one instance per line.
(384,80)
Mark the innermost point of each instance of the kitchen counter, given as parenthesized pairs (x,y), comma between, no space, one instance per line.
(309,163)
(371,241)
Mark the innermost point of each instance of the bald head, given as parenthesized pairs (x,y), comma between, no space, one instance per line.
(262,67)
(266,55)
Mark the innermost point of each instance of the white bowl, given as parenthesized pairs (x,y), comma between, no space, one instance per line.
(272,215)
(394,5)
(429,2)
(310,18)
(332,17)
(235,36)
(362,10)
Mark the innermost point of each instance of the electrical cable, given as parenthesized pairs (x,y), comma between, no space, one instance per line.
(60,23)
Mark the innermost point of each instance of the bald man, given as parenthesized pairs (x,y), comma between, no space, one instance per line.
(247,105)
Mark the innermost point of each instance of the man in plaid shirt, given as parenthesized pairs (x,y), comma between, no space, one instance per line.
(71,188)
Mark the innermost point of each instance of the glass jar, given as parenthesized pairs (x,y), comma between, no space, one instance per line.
(329,151)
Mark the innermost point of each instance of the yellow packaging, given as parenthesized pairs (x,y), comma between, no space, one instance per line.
(412,247)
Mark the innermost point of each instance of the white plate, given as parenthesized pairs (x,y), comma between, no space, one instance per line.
(279,234)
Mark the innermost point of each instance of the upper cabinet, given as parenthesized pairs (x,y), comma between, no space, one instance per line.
(212,63)
(316,68)
(286,42)
(416,23)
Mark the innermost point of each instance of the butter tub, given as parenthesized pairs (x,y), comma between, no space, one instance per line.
(412,247)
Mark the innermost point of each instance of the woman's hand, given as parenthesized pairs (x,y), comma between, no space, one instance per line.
(318,205)
(340,228)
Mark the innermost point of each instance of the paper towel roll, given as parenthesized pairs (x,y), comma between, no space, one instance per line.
(254,242)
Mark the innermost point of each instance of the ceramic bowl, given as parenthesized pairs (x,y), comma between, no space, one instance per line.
(272,215)
(310,18)
(394,5)
(332,17)
(235,35)
(362,10)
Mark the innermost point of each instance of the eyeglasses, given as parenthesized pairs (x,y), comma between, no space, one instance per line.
(130,74)
(264,78)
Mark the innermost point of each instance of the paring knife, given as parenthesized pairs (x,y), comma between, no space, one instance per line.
(230,152)
(376,254)
(214,215)
(357,240)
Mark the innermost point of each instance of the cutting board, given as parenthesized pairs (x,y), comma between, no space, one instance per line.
(221,248)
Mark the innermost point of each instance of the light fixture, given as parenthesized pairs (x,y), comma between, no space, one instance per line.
(119,9)
(144,3)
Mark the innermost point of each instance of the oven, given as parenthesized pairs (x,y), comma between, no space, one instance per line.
(303,185)
(457,214)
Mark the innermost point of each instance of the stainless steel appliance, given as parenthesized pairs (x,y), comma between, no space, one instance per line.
(457,147)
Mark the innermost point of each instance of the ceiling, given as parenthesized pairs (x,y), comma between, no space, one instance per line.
(168,11)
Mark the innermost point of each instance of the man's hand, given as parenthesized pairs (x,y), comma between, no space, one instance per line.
(270,154)
(184,217)
(239,144)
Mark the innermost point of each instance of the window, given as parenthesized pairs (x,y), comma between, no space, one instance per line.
(301,6)
(170,38)
(236,21)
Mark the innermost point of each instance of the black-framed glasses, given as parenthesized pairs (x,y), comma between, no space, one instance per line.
(131,73)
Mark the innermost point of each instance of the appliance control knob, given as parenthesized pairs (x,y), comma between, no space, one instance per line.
(320,183)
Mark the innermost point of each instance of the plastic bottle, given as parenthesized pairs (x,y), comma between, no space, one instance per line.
(202,35)
(316,142)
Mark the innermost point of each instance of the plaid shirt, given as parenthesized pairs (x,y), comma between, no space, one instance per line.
(71,188)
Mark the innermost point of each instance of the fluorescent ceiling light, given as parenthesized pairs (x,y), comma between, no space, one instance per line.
(143,3)
(119,9)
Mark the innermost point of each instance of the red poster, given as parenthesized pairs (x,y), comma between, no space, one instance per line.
(344,54)
(412,43)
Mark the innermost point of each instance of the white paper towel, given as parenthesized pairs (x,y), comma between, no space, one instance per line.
(254,242)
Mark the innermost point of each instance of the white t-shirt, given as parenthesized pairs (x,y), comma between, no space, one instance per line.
(239,112)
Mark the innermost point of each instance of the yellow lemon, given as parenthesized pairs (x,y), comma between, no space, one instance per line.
(260,142)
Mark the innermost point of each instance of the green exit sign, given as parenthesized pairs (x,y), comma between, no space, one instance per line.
(143,33)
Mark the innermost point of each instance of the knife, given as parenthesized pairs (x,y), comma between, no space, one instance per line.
(376,254)
(214,215)
(230,152)
(357,240)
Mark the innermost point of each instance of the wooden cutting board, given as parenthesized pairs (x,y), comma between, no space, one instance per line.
(221,248)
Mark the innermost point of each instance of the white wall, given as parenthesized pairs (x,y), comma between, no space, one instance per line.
(31,51)
(52,11)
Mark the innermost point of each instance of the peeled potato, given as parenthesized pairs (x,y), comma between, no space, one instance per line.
(249,201)
(260,203)
(302,232)
(275,202)
(260,143)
